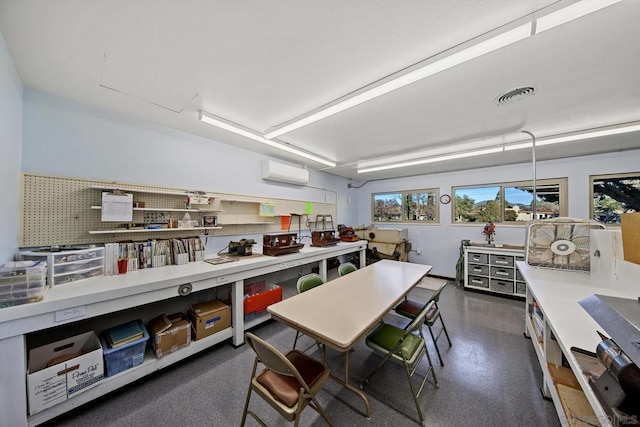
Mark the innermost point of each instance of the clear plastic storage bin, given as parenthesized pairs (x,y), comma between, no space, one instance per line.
(22,282)
(67,266)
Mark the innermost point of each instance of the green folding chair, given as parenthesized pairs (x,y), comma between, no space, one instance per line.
(346,268)
(304,283)
(410,309)
(404,346)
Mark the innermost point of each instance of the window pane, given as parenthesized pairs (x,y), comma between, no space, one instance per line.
(387,207)
(477,204)
(615,195)
(420,206)
(518,202)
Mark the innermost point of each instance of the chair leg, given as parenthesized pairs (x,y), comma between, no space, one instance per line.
(320,410)
(413,391)
(445,331)
(377,368)
(246,403)
(435,344)
(295,341)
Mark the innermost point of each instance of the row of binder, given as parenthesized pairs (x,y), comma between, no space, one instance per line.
(152,253)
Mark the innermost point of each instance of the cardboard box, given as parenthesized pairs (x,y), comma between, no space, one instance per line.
(60,370)
(209,317)
(169,333)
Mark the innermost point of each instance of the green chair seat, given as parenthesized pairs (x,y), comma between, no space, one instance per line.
(385,338)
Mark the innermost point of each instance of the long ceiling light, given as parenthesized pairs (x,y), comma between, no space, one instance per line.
(507,142)
(543,23)
(432,160)
(576,136)
(569,13)
(474,51)
(467,146)
(224,124)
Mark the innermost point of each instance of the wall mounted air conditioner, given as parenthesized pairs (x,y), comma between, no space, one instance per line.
(282,172)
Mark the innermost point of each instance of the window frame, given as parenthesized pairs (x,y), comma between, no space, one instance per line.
(562,183)
(593,178)
(403,195)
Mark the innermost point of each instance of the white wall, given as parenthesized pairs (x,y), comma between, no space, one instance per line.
(63,138)
(440,243)
(10,136)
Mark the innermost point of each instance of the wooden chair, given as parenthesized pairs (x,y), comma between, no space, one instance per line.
(304,283)
(288,383)
(410,309)
(346,268)
(406,347)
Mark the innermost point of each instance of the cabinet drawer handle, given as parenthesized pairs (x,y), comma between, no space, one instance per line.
(501,273)
(479,282)
(477,270)
(475,258)
(499,261)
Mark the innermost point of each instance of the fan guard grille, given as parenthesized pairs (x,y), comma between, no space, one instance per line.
(562,244)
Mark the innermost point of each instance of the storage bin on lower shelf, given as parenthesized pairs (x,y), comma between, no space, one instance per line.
(258,296)
(125,356)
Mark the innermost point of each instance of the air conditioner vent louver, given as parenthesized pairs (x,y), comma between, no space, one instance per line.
(515,95)
(560,243)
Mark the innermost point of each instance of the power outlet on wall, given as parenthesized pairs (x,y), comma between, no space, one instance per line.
(418,251)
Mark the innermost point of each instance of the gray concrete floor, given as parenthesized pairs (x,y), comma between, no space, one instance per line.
(491,377)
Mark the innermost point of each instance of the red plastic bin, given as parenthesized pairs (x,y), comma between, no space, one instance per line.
(260,295)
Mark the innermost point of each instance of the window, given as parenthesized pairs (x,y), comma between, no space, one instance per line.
(406,206)
(510,202)
(613,195)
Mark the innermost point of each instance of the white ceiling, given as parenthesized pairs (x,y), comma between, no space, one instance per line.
(262,63)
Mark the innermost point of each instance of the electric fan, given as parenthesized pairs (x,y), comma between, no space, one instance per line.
(560,243)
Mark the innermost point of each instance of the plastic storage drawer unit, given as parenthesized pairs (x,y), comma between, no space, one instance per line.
(22,282)
(126,356)
(67,266)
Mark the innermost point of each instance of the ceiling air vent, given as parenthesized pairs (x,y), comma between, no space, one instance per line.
(515,95)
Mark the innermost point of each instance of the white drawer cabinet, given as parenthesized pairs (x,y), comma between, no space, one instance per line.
(494,269)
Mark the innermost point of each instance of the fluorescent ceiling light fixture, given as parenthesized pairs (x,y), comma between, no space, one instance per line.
(228,126)
(595,133)
(474,51)
(569,13)
(470,145)
(432,160)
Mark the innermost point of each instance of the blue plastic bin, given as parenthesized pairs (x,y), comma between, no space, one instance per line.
(126,356)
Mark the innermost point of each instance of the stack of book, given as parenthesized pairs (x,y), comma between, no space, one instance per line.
(537,320)
(124,334)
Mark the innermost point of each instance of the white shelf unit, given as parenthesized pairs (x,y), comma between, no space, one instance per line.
(103,300)
(63,211)
(492,269)
(151,230)
(565,325)
(162,201)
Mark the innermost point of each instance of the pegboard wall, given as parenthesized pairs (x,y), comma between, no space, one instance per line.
(67,211)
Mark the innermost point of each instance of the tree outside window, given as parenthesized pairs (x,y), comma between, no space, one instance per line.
(613,195)
(406,206)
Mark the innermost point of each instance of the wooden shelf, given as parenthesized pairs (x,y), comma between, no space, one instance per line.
(151,230)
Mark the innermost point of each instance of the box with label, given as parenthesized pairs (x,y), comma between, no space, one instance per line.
(209,317)
(169,333)
(60,370)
